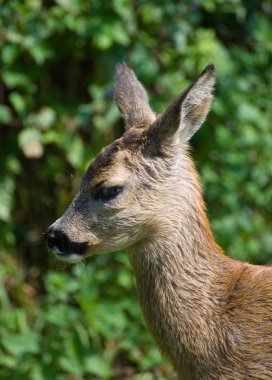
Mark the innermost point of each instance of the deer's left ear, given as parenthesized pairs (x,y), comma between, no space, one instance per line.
(186,114)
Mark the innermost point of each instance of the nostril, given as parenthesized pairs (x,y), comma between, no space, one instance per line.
(52,239)
(49,235)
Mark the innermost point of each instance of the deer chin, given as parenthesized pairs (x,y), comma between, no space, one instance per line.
(68,257)
(72,258)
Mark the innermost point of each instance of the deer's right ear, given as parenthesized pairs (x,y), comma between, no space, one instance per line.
(184,116)
(131,98)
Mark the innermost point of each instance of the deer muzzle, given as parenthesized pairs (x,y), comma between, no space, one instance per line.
(65,249)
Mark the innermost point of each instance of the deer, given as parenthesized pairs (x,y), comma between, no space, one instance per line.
(210,314)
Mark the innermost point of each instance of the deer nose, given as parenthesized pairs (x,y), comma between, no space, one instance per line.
(57,241)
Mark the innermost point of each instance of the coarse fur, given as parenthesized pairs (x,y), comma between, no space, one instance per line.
(210,314)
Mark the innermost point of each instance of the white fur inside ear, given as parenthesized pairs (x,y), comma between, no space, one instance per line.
(196,105)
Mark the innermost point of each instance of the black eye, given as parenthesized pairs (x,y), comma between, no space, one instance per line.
(107,193)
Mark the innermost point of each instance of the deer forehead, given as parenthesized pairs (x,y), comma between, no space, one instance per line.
(112,166)
(120,157)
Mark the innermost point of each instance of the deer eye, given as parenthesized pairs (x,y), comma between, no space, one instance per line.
(107,193)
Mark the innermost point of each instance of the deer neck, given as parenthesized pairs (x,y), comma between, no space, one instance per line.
(176,280)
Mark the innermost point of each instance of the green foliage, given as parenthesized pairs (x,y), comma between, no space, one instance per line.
(56,112)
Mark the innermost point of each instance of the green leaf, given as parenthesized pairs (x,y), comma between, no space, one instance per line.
(43,119)
(9,54)
(21,344)
(6,198)
(40,52)
(7,361)
(18,102)
(14,79)
(5,114)
(98,366)
(75,153)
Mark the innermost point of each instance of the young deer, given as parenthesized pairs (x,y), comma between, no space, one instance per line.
(211,315)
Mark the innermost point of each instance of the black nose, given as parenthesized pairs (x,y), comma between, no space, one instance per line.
(56,240)
(59,242)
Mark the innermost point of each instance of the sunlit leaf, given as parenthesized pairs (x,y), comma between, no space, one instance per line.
(21,343)
(30,143)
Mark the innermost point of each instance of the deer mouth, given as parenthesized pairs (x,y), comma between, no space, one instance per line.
(69,257)
(74,254)
(72,258)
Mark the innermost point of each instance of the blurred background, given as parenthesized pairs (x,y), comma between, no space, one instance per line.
(57,111)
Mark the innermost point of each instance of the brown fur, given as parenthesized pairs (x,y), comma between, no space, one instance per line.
(211,315)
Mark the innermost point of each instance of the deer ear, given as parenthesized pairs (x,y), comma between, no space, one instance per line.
(186,114)
(131,98)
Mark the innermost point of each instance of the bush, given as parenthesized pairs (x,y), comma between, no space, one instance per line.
(57,111)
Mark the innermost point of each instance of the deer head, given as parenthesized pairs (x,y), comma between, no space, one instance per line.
(133,185)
